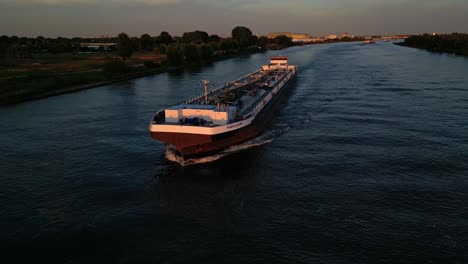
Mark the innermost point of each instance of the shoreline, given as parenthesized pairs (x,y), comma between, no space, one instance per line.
(136,75)
(446,51)
(77,88)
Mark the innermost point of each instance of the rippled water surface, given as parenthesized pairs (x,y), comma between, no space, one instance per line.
(366,163)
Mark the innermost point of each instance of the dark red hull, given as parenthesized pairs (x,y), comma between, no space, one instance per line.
(190,145)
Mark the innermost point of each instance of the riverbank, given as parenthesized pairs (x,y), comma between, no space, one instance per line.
(52,75)
(36,83)
(440,50)
(34,94)
(446,43)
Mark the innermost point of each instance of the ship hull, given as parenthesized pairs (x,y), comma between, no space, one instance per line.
(195,145)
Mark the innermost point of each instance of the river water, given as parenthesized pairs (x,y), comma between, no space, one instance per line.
(366,163)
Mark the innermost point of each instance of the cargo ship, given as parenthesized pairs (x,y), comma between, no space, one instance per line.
(227,115)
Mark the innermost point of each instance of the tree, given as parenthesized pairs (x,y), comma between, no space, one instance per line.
(229,44)
(283,41)
(157,40)
(175,56)
(206,51)
(162,49)
(165,38)
(24,40)
(177,39)
(124,46)
(215,45)
(4,43)
(135,43)
(214,38)
(115,67)
(12,54)
(346,38)
(146,42)
(14,39)
(254,40)
(16,52)
(234,44)
(263,42)
(224,44)
(194,36)
(55,47)
(453,43)
(191,53)
(243,36)
(40,43)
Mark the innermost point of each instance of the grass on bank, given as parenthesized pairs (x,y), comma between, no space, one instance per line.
(49,74)
(52,74)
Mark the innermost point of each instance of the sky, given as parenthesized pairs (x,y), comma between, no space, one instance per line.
(94,18)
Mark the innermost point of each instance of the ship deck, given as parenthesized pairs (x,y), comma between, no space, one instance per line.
(244,94)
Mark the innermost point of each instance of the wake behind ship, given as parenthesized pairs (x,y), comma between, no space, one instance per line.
(226,116)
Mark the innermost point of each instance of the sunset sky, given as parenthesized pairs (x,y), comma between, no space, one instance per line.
(92,18)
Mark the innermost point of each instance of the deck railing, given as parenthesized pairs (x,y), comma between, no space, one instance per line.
(262,101)
(227,86)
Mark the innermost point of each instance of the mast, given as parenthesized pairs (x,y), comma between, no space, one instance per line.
(205,84)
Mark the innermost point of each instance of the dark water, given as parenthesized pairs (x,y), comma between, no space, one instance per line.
(368,163)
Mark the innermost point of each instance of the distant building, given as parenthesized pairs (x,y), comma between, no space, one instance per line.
(277,34)
(301,37)
(296,37)
(332,37)
(99,46)
(317,39)
(395,37)
(220,52)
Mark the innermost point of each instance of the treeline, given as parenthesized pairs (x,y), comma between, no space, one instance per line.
(190,47)
(454,43)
